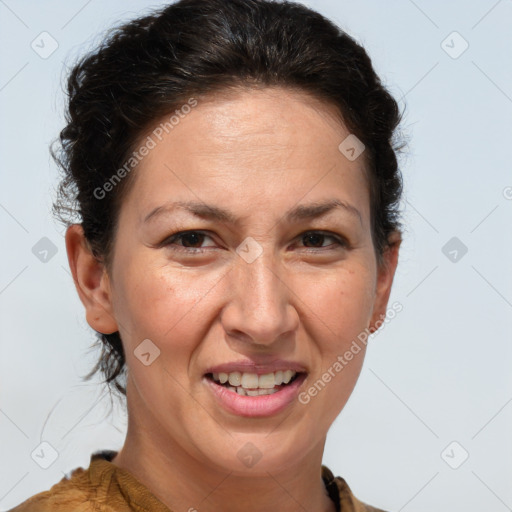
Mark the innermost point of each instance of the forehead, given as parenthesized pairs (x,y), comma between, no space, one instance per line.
(255,144)
(262,123)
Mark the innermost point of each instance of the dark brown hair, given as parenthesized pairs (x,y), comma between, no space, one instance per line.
(150,66)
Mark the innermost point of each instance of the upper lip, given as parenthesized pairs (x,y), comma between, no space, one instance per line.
(248,366)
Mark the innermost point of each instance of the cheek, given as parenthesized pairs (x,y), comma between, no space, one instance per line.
(340,311)
(161,302)
(164,302)
(167,306)
(341,304)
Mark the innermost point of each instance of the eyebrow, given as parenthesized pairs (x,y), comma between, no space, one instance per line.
(299,213)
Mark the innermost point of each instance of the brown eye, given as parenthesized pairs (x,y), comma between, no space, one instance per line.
(315,239)
(192,240)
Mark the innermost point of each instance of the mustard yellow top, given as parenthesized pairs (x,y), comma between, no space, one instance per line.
(105,487)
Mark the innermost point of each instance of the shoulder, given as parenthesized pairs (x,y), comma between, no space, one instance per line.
(346,500)
(69,494)
(74,493)
(356,504)
(347,497)
(102,487)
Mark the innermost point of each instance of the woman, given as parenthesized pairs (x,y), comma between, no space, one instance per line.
(232,168)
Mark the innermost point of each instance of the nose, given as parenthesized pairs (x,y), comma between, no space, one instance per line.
(259,310)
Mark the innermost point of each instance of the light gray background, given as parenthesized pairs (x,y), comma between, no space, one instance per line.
(439,372)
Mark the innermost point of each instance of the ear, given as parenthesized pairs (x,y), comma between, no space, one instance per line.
(91,281)
(385,275)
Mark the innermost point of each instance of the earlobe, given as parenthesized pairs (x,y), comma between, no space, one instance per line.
(91,281)
(386,273)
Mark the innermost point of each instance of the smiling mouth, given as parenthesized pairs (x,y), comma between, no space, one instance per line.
(251,384)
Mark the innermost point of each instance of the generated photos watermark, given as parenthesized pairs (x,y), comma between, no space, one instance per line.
(343,360)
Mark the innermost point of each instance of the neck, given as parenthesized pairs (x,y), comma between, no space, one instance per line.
(182,482)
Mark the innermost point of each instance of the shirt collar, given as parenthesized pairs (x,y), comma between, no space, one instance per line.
(104,475)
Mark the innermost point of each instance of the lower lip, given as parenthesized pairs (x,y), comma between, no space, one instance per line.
(256,406)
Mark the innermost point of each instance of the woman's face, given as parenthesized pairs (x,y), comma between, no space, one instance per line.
(259,279)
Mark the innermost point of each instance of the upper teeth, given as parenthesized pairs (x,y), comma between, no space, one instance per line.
(254,381)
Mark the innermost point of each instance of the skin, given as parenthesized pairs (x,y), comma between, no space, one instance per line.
(257,153)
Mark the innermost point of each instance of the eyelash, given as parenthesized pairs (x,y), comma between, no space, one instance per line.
(169,241)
